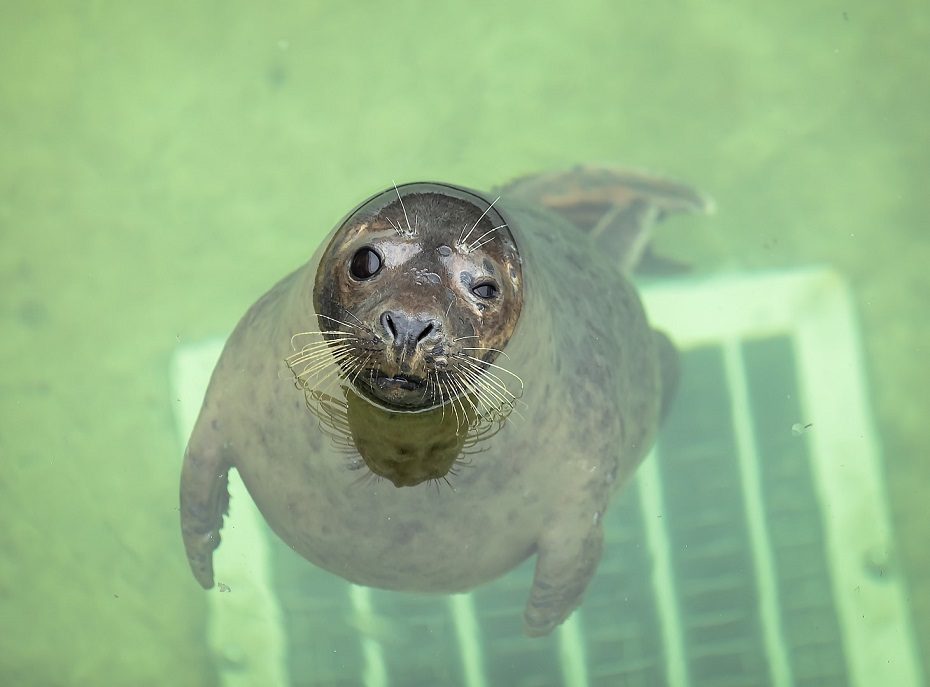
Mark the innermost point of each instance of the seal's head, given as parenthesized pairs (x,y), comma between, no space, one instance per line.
(418,292)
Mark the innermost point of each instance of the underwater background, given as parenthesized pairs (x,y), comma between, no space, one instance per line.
(163,163)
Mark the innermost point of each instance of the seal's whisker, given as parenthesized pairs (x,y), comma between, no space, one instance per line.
(326,356)
(325,343)
(477,242)
(451,402)
(486,211)
(437,390)
(463,393)
(469,381)
(462,234)
(361,367)
(303,367)
(490,410)
(429,379)
(364,327)
(330,332)
(493,384)
(490,396)
(475,247)
(491,375)
(483,348)
(404,208)
(349,364)
(316,367)
(464,396)
(312,333)
(312,350)
(306,368)
(483,390)
(337,370)
(436,395)
(447,392)
(347,324)
(496,367)
(486,234)
(299,334)
(322,353)
(396,228)
(471,336)
(339,336)
(324,332)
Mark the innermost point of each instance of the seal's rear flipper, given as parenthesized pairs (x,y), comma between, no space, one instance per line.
(204,502)
(617,206)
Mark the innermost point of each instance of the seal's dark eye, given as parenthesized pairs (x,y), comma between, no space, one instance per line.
(486,291)
(365,263)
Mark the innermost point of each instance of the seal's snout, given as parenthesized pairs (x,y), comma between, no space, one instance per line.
(406,332)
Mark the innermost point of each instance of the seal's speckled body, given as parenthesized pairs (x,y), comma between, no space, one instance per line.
(545,301)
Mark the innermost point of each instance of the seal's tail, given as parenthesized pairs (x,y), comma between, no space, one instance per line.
(617,206)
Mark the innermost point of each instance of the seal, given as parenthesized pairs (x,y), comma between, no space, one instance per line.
(472,376)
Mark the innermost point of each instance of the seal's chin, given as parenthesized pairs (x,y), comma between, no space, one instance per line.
(402,391)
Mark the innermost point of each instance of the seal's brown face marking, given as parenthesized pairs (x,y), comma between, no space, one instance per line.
(418,293)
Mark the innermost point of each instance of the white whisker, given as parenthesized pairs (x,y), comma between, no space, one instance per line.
(404,208)
(473,248)
(463,393)
(496,367)
(347,324)
(491,397)
(482,348)
(451,402)
(397,229)
(326,353)
(486,211)
(491,376)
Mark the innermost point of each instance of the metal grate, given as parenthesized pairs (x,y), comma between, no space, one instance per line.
(751,549)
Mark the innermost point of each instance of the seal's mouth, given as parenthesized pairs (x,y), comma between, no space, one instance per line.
(402,391)
(401,381)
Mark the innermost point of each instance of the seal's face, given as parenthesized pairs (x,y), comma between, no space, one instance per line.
(418,292)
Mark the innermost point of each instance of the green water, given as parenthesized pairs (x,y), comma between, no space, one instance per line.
(163,163)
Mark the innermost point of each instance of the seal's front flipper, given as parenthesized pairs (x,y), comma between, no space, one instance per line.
(617,206)
(204,502)
(568,556)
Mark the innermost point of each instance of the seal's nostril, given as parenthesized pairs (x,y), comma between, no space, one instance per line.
(403,330)
(389,325)
(426,332)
